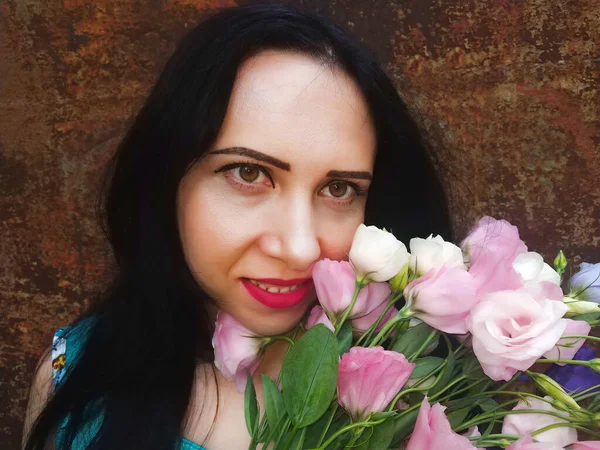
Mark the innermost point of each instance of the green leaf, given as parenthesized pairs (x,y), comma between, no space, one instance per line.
(274,406)
(426,365)
(345,337)
(314,431)
(309,375)
(382,415)
(458,416)
(411,340)
(250,406)
(403,426)
(381,436)
(489,404)
(587,317)
(446,374)
(472,369)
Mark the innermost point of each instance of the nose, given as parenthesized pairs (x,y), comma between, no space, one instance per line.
(292,236)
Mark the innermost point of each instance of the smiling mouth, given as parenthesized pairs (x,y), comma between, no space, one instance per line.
(274,289)
(277,296)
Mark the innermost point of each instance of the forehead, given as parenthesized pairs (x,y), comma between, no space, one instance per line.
(291,105)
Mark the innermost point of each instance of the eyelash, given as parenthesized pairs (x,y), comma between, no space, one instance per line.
(358,190)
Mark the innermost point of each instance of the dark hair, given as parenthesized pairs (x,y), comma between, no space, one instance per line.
(151,326)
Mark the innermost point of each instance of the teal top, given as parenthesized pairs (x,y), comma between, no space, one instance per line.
(65,349)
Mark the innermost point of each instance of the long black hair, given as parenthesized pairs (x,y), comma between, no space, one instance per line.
(151,327)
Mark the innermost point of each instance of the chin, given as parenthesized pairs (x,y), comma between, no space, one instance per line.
(278,322)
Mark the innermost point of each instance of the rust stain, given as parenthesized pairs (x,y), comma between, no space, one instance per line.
(505,89)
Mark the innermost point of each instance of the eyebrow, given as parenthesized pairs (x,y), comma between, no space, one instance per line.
(286,166)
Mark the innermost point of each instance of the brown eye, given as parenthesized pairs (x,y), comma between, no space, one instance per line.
(249,173)
(338,188)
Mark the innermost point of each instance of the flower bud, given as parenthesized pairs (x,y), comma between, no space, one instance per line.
(577,307)
(560,263)
(553,389)
(594,364)
(401,279)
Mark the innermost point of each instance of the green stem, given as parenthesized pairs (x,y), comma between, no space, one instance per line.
(285,426)
(338,323)
(348,428)
(454,382)
(484,417)
(291,438)
(434,334)
(367,334)
(580,336)
(415,387)
(557,425)
(301,440)
(563,361)
(401,316)
(326,429)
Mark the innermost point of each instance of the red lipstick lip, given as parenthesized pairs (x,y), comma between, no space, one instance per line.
(277,300)
(280,282)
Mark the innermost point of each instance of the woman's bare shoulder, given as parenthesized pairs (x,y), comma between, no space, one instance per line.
(40,390)
(215,417)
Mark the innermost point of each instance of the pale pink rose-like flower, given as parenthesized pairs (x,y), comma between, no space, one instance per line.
(335,282)
(442,300)
(526,443)
(362,324)
(377,254)
(492,247)
(585,445)
(236,349)
(434,253)
(493,236)
(317,315)
(370,378)
(521,424)
(533,269)
(512,329)
(494,272)
(433,431)
(573,328)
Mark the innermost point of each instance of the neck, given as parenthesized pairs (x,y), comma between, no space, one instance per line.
(273,358)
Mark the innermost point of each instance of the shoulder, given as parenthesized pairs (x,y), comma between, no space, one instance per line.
(39,391)
(216,412)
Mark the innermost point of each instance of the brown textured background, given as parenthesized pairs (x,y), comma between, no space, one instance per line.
(509,90)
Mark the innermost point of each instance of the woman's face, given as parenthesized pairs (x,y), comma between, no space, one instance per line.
(283,186)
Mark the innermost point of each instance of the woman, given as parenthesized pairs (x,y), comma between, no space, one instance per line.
(250,161)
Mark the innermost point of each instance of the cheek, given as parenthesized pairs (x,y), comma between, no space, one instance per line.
(336,239)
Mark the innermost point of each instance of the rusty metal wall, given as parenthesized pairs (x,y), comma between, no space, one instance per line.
(507,89)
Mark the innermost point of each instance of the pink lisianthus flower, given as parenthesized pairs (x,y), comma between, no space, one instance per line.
(335,282)
(573,328)
(362,324)
(317,315)
(433,431)
(512,329)
(369,379)
(491,249)
(236,349)
(526,443)
(493,236)
(522,424)
(442,299)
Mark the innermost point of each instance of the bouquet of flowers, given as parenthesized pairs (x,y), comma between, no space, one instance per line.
(445,347)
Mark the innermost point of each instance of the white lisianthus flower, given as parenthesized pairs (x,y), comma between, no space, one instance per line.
(377,254)
(433,253)
(533,269)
